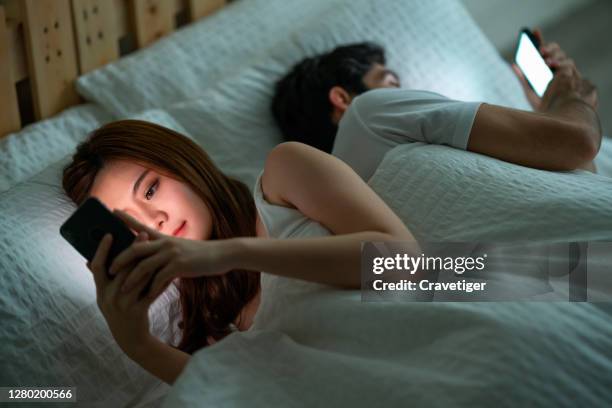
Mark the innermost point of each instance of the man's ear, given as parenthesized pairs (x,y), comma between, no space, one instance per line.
(340,100)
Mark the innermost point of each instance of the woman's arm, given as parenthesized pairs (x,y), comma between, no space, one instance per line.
(333,260)
(159,359)
(326,190)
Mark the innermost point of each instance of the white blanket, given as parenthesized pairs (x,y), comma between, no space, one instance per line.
(445,194)
(312,345)
(327,348)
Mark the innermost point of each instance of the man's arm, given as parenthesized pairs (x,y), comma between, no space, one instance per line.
(563,134)
(565,138)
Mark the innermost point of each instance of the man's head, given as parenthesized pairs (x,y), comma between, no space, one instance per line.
(310,100)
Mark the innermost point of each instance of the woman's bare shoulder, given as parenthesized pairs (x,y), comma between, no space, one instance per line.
(280,163)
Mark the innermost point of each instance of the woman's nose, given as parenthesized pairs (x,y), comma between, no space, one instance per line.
(159,224)
(156,220)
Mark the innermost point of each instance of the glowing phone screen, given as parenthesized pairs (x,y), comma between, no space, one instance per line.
(533,65)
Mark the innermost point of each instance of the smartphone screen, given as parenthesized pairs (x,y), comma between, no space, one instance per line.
(529,60)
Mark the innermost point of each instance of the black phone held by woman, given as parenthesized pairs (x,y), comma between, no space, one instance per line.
(87,226)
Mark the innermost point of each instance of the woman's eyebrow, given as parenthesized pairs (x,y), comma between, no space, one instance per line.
(138,181)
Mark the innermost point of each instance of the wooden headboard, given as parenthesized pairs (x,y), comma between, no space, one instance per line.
(46,44)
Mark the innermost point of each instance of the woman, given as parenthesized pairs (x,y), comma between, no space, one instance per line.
(201,230)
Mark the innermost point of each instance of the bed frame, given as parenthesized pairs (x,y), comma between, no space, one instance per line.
(46,44)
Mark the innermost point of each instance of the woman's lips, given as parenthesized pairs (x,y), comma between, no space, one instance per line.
(180,229)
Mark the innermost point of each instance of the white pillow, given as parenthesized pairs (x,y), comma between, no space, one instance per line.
(182,65)
(231,121)
(433,45)
(25,153)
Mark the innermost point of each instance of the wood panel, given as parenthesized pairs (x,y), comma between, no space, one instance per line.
(51,42)
(203,8)
(153,19)
(96,33)
(51,55)
(9,109)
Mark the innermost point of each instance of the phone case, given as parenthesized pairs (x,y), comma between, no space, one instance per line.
(89,223)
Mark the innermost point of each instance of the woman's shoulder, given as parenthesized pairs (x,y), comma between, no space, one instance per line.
(279,177)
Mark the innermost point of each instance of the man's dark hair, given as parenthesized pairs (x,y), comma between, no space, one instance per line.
(301,105)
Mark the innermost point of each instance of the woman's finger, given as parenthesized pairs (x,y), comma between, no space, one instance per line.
(97,263)
(145,270)
(134,296)
(136,225)
(133,253)
(161,281)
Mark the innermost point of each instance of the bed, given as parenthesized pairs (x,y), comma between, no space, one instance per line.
(212,80)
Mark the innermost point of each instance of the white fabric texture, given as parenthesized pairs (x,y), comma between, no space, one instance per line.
(379,120)
(446,194)
(25,153)
(603,160)
(433,45)
(421,354)
(183,65)
(308,336)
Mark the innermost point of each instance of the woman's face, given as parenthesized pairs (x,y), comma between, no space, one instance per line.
(155,200)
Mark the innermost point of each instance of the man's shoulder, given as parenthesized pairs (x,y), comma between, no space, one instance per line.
(377,107)
(382,97)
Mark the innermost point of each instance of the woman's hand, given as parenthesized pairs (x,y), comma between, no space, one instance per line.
(126,315)
(164,258)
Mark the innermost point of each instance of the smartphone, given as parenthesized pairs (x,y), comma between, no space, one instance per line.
(87,226)
(531,63)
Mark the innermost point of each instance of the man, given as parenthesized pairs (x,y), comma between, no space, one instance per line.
(323,102)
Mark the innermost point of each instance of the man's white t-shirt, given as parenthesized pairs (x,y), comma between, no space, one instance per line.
(381,119)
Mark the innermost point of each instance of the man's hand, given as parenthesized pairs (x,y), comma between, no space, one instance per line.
(567,82)
(563,134)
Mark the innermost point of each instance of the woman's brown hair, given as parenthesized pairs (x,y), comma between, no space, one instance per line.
(208,304)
